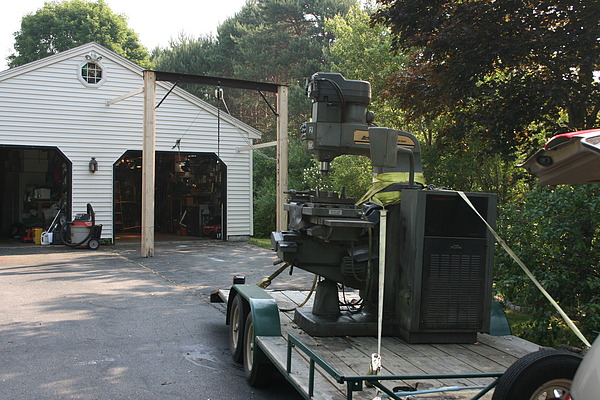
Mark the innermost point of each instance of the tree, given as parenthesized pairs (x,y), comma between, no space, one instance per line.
(348,173)
(265,182)
(198,56)
(60,26)
(279,41)
(362,51)
(503,70)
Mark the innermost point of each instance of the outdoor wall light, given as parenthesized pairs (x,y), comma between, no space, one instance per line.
(93,165)
(186,166)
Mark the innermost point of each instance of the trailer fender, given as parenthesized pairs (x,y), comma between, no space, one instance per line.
(263,307)
(265,314)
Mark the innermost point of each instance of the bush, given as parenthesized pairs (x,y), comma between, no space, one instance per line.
(265,182)
(354,174)
(554,230)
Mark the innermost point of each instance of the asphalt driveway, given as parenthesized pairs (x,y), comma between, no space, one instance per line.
(108,324)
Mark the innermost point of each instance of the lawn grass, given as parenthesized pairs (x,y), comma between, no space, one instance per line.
(523,325)
(516,319)
(262,242)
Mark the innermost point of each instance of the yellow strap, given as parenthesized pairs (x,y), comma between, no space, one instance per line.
(375,193)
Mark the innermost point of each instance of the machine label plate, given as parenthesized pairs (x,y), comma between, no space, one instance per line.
(362,137)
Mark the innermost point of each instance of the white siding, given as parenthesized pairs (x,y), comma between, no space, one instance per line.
(45,104)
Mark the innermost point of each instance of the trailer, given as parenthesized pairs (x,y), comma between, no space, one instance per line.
(264,337)
(418,260)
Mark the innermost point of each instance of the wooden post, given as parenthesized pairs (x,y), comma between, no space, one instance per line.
(148,161)
(282,155)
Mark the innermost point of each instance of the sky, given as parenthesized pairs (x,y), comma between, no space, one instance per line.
(156,26)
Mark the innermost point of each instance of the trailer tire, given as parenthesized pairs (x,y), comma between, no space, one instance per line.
(258,374)
(237,317)
(544,372)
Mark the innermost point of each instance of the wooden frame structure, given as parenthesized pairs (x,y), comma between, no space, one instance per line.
(149,145)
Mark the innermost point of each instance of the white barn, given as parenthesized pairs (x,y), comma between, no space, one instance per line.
(60,114)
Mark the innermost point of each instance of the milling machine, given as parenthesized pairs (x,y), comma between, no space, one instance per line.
(438,253)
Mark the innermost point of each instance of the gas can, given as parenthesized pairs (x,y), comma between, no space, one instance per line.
(46,238)
(37,235)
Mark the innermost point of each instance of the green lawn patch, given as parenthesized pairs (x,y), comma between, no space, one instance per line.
(262,242)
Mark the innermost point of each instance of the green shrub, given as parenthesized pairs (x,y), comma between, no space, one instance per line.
(555,231)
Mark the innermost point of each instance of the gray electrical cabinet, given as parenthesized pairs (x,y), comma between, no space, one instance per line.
(444,257)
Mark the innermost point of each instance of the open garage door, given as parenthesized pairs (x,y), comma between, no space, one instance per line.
(34,184)
(190,194)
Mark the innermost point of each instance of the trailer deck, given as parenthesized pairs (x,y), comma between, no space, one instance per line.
(335,367)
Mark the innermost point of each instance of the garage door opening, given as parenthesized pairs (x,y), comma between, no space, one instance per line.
(34,183)
(190,194)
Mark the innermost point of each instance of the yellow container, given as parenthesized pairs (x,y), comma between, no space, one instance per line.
(37,234)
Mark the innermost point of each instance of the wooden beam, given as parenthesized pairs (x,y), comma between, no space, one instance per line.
(148,161)
(124,96)
(282,155)
(256,146)
(216,81)
(149,148)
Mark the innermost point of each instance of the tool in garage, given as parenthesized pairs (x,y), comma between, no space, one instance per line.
(82,231)
(48,234)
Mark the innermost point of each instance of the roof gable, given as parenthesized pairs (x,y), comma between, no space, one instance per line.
(67,54)
(83,50)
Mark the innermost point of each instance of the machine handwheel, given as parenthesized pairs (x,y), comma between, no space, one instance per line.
(237,316)
(257,373)
(93,244)
(545,374)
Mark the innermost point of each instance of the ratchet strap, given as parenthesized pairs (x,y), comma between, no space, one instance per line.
(570,323)
(383,192)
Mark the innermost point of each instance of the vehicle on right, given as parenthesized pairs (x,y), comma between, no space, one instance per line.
(549,374)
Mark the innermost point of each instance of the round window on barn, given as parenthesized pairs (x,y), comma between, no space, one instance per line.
(91,72)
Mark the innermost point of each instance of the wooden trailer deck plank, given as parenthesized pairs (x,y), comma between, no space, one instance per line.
(332,357)
(484,356)
(285,299)
(495,356)
(276,347)
(510,345)
(405,362)
(490,354)
(223,294)
(279,351)
(288,326)
(394,364)
(298,297)
(357,356)
(351,356)
(331,349)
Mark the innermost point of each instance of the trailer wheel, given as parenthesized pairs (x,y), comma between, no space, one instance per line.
(237,316)
(545,374)
(258,374)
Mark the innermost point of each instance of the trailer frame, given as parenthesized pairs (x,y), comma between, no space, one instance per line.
(354,383)
(307,368)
